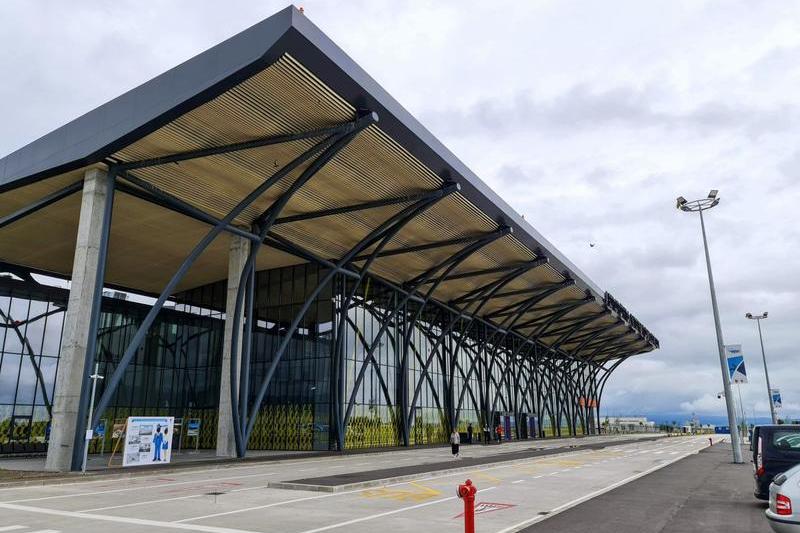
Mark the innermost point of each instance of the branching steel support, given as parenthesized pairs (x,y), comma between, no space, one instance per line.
(113,382)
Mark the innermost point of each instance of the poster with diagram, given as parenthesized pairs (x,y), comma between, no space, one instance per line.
(148,440)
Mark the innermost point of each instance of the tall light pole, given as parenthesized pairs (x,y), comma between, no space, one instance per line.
(698,206)
(758,319)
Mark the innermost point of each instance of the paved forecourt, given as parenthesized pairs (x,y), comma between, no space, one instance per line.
(237,498)
(706,492)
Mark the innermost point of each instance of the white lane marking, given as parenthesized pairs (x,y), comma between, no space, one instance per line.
(121,519)
(517,481)
(143,487)
(573,503)
(387,513)
(153,502)
(12,528)
(274,504)
(46,531)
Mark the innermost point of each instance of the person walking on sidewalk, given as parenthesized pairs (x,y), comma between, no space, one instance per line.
(469,433)
(455,441)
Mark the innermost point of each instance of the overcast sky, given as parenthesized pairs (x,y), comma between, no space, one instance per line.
(588,117)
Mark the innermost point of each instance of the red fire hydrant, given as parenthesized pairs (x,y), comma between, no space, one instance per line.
(467,492)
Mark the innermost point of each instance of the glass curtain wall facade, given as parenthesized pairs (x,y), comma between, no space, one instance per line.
(368,367)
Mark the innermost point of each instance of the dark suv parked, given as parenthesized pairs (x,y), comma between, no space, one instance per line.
(776,448)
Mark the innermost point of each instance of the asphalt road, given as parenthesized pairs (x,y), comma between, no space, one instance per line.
(236,499)
(704,492)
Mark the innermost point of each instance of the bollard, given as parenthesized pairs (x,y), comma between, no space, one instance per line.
(710,441)
(467,493)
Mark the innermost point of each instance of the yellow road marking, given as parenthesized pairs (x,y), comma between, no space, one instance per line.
(416,493)
(483,475)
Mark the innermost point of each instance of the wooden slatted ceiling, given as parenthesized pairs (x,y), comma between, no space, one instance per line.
(148,242)
(146,246)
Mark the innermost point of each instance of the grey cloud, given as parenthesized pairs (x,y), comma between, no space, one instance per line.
(585,108)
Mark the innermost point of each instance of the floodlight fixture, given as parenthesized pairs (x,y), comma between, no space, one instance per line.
(698,205)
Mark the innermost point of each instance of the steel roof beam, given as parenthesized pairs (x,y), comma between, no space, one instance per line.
(589,333)
(575,304)
(597,339)
(480,292)
(494,270)
(41,203)
(352,208)
(511,309)
(235,147)
(568,324)
(423,247)
(533,290)
(152,194)
(482,240)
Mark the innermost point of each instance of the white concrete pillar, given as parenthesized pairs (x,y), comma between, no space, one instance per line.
(237,256)
(69,379)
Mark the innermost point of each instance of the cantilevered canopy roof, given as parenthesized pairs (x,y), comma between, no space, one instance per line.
(284,80)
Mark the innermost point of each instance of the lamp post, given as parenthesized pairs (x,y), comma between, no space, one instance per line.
(698,206)
(758,319)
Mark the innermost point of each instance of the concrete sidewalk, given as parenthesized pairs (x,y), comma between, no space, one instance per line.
(704,492)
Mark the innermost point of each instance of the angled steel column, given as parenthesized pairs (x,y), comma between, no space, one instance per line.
(430,276)
(383,235)
(603,382)
(113,382)
(242,426)
(487,291)
(385,229)
(448,265)
(505,330)
(245,292)
(385,232)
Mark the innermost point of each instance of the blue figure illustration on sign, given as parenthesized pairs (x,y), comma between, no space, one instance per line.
(159,440)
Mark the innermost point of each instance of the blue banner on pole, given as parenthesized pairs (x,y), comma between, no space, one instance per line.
(736,369)
(777,402)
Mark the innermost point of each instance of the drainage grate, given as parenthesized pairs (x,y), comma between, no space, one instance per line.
(215,493)
(542,513)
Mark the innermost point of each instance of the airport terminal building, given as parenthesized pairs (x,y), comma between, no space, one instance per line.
(262,239)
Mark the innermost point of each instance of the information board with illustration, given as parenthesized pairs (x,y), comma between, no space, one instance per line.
(148,440)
